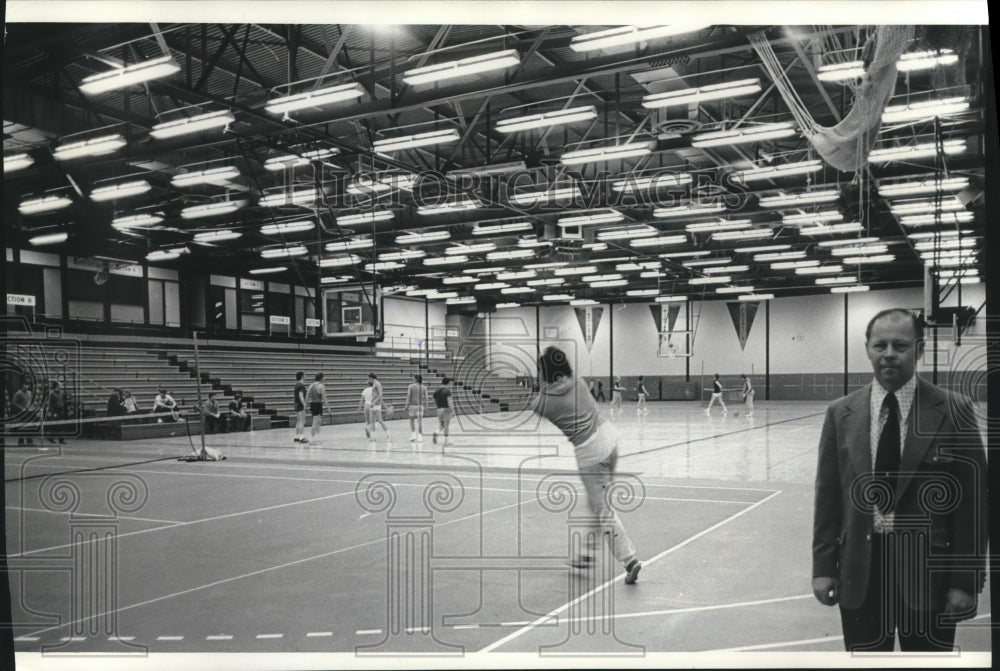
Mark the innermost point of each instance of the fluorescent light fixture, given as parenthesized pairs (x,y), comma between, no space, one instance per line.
(546,119)
(718,270)
(517,290)
(776,171)
(43,204)
(854,288)
(579,302)
(366,186)
(660,241)
(768,131)
(735,290)
(790,265)
(628,232)
(558,297)
(687,210)
(365,218)
(471,249)
(532,198)
(460,68)
(120,190)
(340,279)
(601,278)
(931,245)
(834,229)
(632,266)
(934,235)
(96,146)
(949,274)
(595,246)
(670,299)
(950,218)
(279,252)
(780,256)
(851,241)
(300,197)
(532,242)
(702,94)
(838,72)
(608,217)
(442,294)
(649,274)
(835,280)
(495,229)
(287,227)
(914,151)
(317,98)
(755,297)
(719,279)
(722,225)
(489,286)
(749,234)
(757,249)
(934,261)
(505,306)
(546,282)
(600,284)
(820,270)
(339,261)
(345,245)
(218,176)
(799,199)
(865,260)
(946,204)
(630,150)
(642,292)
(379,266)
(811,218)
(193,124)
(402,255)
(574,270)
(511,254)
(422,238)
(211,209)
(460,279)
(217,236)
(163,255)
(299,160)
(546,266)
(48,239)
(460,300)
(925,60)
(445,260)
(860,250)
(661,181)
(699,263)
(517,275)
(623,35)
(453,206)
(684,255)
(268,270)
(136,221)
(419,140)
(12,162)
(916,188)
(127,75)
(924,111)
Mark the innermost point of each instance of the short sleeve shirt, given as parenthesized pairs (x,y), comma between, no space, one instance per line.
(300,391)
(441,396)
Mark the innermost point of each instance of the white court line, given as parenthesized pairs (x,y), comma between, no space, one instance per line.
(68,512)
(313,634)
(219,637)
(362,632)
(183,524)
(26,638)
(783,644)
(121,638)
(599,588)
(270,636)
(262,571)
(169,638)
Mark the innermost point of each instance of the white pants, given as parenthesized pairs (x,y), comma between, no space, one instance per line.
(716,397)
(605,522)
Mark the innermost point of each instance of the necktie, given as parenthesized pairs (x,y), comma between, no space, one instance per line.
(887,456)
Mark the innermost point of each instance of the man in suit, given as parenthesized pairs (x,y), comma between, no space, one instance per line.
(900,532)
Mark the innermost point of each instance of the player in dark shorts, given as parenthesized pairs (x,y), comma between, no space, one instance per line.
(442,399)
(300,408)
(316,398)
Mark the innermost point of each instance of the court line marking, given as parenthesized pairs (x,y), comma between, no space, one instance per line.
(69,512)
(169,638)
(600,588)
(184,524)
(219,637)
(359,632)
(319,633)
(270,636)
(260,571)
(783,644)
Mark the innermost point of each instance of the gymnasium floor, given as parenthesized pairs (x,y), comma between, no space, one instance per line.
(282,548)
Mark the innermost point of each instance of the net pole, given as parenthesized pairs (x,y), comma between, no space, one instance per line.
(197,378)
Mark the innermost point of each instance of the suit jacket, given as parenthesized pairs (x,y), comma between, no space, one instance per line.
(940,499)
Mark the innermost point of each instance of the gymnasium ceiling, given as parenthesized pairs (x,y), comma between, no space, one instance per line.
(239,68)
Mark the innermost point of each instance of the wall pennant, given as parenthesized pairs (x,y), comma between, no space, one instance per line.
(743,313)
(589,319)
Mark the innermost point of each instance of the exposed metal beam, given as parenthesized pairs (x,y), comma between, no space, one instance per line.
(812,75)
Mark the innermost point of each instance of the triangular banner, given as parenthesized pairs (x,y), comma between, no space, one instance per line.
(657,311)
(742,313)
(589,319)
(673,310)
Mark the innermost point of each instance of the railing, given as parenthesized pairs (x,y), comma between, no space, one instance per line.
(413,349)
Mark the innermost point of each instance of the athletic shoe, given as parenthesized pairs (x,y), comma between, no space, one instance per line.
(632,571)
(420,437)
(434,438)
(368,433)
(413,437)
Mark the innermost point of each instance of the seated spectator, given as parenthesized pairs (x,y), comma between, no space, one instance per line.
(165,403)
(116,404)
(131,407)
(239,418)
(214,422)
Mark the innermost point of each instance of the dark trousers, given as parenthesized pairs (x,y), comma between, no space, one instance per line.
(237,423)
(215,424)
(873,626)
